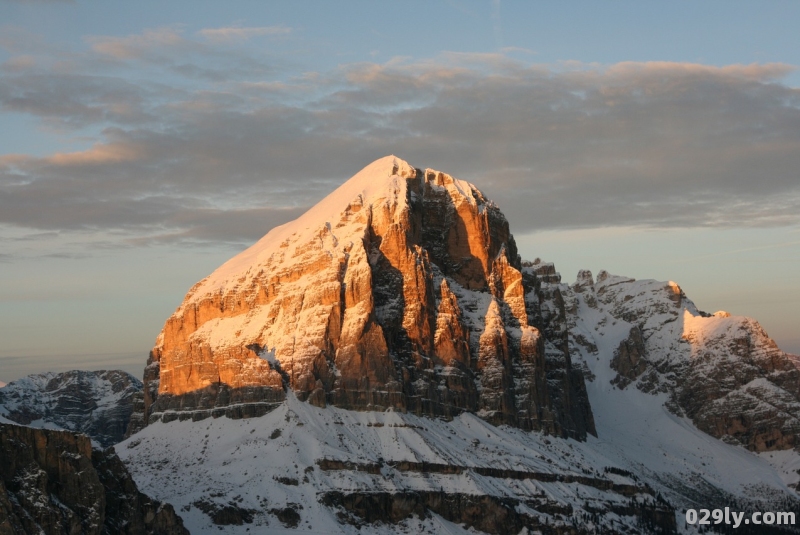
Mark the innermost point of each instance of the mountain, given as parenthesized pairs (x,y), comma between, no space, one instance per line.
(402,289)
(54,482)
(409,372)
(97,403)
(721,371)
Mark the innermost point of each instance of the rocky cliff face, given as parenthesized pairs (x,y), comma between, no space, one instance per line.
(96,403)
(722,371)
(402,289)
(53,482)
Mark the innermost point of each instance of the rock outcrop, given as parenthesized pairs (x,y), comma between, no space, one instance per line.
(96,403)
(53,482)
(402,289)
(720,370)
(738,385)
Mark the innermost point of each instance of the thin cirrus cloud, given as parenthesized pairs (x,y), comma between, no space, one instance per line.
(169,40)
(156,42)
(570,145)
(170,48)
(238,33)
(98,154)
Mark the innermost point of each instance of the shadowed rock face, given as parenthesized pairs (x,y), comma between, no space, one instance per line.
(53,482)
(96,403)
(402,289)
(485,514)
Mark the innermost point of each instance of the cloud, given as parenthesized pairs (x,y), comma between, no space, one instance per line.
(66,256)
(237,33)
(19,63)
(75,100)
(755,71)
(156,43)
(518,50)
(570,145)
(108,153)
(168,48)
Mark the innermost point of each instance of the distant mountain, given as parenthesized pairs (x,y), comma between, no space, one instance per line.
(97,403)
(410,372)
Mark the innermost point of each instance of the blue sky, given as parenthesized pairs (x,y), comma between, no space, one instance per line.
(143,144)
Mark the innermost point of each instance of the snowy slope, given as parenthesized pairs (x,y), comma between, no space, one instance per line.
(270,463)
(665,376)
(284,239)
(277,461)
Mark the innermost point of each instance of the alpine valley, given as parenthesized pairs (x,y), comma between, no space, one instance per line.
(387,363)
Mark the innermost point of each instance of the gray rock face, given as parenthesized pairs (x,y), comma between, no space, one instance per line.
(483,514)
(52,482)
(629,359)
(97,403)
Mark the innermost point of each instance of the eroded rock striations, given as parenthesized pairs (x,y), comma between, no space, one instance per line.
(53,482)
(96,403)
(402,289)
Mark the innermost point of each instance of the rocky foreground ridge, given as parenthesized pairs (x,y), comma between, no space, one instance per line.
(54,482)
(96,403)
(402,289)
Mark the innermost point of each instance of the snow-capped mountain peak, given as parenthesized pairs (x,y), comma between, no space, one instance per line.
(409,372)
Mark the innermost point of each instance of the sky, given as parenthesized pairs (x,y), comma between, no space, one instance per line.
(142,144)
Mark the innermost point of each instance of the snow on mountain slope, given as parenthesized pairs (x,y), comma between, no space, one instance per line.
(97,403)
(310,460)
(369,186)
(316,461)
